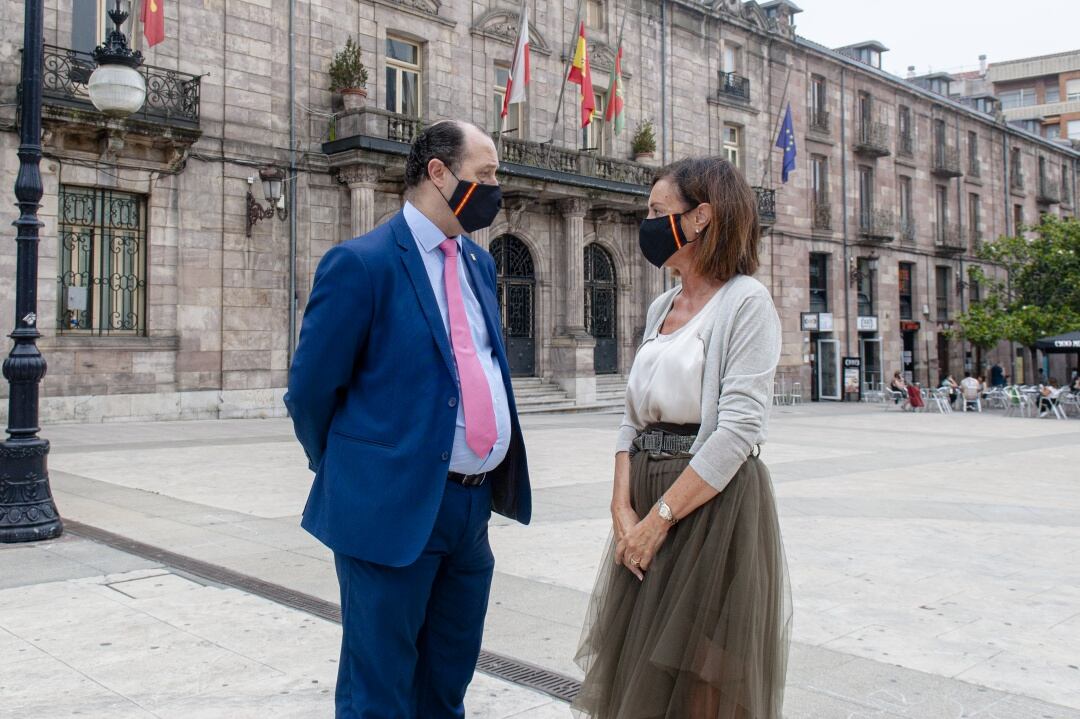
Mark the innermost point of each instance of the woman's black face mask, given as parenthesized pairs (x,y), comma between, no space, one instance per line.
(660,238)
(475,205)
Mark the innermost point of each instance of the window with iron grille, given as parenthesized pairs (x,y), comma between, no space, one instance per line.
(819,283)
(944,277)
(102,261)
(865,287)
(907,284)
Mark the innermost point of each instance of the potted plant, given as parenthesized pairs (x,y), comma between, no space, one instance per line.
(349,76)
(644,143)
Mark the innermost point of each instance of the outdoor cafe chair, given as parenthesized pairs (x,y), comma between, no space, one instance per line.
(970,399)
(1019,402)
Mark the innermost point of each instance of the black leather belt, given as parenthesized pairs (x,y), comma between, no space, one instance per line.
(467,480)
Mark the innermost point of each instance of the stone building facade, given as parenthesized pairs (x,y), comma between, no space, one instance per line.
(158,301)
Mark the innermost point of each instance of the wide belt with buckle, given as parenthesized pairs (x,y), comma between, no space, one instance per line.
(664,442)
(467,480)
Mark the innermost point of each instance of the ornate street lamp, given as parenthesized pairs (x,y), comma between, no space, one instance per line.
(116,86)
(27,510)
(272,178)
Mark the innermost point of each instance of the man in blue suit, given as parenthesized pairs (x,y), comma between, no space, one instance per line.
(400,394)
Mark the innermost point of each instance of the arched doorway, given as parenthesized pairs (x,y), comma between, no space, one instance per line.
(516,290)
(600,308)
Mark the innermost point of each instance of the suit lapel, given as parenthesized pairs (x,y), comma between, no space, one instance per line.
(414,266)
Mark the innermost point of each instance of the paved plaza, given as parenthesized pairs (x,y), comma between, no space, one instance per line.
(932,560)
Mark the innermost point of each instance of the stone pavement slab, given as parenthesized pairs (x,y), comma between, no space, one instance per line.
(930,555)
(146,641)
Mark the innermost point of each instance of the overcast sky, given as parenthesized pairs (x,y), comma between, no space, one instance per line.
(944,35)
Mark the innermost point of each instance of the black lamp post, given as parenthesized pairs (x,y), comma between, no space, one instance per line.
(27,510)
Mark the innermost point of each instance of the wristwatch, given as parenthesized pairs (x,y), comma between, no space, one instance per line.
(665,512)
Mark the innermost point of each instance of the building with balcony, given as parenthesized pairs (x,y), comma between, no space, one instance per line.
(160,298)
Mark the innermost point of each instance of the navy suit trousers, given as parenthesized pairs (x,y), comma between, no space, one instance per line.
(411,635)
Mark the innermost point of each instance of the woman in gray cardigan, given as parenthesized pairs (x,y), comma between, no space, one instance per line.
(690,617)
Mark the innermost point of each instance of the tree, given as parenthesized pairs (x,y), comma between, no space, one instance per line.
(1041,295)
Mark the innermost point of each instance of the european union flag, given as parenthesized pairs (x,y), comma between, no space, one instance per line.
(786,141)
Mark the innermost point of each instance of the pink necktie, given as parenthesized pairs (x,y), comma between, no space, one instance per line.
(480,429)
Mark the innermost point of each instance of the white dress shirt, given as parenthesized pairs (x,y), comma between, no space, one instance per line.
(428,238)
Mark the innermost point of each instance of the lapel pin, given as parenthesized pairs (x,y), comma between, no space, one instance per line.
(473,256)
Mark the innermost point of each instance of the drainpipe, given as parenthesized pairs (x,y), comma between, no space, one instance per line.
(663,83)
(844,209)
(960,209)
(663,98)
(292,184)
(1009,230)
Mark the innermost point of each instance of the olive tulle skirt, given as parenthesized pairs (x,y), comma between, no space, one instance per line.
(706,633)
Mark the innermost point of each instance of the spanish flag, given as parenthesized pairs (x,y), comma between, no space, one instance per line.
(580,74)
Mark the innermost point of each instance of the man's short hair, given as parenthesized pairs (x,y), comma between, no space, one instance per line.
(443,141)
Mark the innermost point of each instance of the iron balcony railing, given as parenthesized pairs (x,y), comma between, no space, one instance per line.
(872,139)
(905,145)
(822,218)
(736,86)
(172,97)
(974,237)
(1016,179)
(949,239)
(819,121)
(548,157)
(377,123)
(1049,191)
(946,161)
(877,225)
(907,230)
(766,205)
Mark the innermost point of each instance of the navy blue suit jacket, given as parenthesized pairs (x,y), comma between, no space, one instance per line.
(369,394)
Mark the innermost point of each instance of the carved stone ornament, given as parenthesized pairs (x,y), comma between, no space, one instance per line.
(503,25)
(359,174)
(429,7)
(514,212)
(573,207)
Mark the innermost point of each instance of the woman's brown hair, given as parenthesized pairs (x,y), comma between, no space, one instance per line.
(729,245)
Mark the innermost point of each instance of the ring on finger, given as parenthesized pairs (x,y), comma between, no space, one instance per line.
(635,561)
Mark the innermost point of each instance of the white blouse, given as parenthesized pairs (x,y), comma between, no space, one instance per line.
(666,377)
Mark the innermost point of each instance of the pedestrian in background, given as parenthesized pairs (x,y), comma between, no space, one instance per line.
(691,612)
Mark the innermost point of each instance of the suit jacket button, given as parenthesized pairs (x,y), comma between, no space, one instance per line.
(452,402)
(445,456)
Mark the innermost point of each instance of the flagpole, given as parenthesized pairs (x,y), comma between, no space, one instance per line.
(565,77)
(618,66)
(513,69)
(776,127)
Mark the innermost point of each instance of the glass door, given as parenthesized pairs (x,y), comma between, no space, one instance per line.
(871,362)
(828,369)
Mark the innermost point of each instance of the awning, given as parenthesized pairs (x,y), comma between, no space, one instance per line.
(1068,342)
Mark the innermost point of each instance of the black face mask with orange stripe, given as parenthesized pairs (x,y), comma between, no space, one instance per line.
(475,205)
(660,238)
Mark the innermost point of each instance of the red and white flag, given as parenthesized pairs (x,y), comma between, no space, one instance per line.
(519,71)
(153,21)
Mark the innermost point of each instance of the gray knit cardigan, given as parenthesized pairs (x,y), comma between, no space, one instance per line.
(742,349)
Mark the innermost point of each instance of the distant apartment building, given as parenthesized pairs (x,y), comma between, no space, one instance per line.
(1040,94)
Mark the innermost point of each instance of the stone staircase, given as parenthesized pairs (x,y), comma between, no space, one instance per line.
(611,390)
(535,395)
